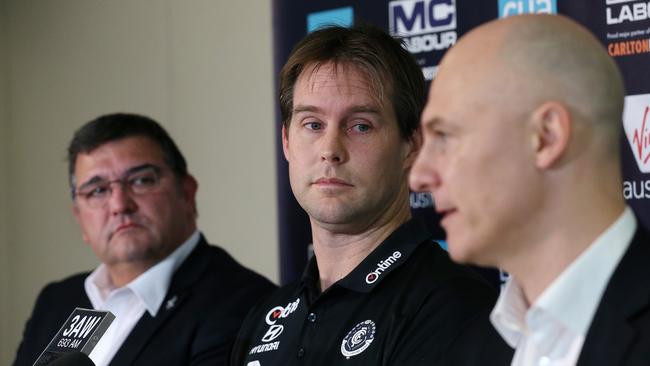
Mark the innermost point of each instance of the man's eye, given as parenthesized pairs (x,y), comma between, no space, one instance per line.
(143,181)
(314,125)
(440,135)
(96,192)
(361,127)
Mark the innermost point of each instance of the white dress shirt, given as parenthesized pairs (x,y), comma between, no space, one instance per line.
(552,331)
(128,303)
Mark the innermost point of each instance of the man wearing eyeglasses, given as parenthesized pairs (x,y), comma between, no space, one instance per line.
(177,300)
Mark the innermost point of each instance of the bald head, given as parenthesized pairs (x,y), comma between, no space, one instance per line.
(521,131)
(531,59)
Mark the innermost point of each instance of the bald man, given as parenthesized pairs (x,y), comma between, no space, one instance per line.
(521,153)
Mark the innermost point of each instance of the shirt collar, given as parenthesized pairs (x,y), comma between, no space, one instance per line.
(389,255)
(509,313)
(150,287)
(572,298)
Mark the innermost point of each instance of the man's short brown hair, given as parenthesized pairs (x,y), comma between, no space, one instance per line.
(390,69)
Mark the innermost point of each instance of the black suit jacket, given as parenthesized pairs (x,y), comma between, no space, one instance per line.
(620,331)
(619,334)
(212,295)
(478,343)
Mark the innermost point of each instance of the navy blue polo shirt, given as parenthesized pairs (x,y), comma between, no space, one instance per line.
(404,304)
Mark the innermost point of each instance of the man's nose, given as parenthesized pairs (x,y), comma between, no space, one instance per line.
(332,148)
(423,176)
(121,199)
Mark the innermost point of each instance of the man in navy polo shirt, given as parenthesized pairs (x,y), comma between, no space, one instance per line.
(378,291)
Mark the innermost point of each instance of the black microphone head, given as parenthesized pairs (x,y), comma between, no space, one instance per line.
(73,359)
(76,338)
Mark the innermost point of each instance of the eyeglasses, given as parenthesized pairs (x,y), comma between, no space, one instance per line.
(97,192)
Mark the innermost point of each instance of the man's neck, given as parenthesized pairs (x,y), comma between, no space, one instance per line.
(339,252)
(538,264)
(123,274)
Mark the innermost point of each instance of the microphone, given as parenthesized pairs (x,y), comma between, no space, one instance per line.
(79,334)
(73,359)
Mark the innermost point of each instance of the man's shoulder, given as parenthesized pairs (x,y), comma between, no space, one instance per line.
(435,290)
(219,269)
(53,306)
(431,268)
(620,328)
(60,297)
(213,284)
(283,297)
(71,284)
(630,281)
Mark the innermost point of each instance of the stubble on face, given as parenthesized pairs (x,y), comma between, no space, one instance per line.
(344,176)
(133,231)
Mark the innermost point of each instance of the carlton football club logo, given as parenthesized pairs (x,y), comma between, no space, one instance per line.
(636,121)
(358,339)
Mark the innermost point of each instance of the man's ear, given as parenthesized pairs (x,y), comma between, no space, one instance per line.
(285,142)
(551,123)
(412,148)
(190,187)
(77,216)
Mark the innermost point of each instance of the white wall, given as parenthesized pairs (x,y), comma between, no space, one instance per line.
(5,337)
(202,68)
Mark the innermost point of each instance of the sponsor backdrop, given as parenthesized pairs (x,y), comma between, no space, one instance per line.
(429,28)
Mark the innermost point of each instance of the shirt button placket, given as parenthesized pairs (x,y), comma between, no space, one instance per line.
(311,318)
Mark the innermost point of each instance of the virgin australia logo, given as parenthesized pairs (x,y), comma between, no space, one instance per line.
(636,121)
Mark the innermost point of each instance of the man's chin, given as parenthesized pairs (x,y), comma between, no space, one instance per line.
(463,253)
(130,241)
(132,255)
(460,251)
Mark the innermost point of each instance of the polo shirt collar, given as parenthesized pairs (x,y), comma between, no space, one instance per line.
(377,266)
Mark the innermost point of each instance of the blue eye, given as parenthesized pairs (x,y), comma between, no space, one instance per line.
(314,125)
(361,127)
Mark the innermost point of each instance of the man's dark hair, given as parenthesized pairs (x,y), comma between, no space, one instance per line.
(390,69)
(116,126)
